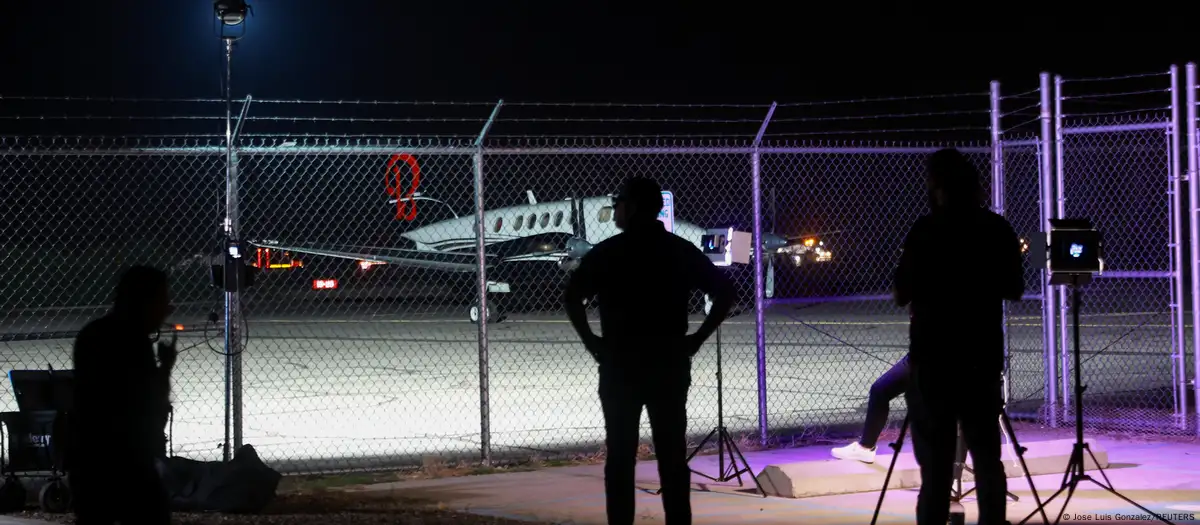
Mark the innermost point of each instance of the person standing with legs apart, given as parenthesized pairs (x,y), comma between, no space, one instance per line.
(891,385)
(121,406)
(959,264)
(644,279)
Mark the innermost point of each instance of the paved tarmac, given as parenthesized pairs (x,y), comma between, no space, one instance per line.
(358,383)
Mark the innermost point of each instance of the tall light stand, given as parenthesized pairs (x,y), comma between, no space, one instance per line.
(1073,254)
(1076,471)
(725,442)
(231,13)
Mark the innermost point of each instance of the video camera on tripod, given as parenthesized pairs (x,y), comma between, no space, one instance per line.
(726,246)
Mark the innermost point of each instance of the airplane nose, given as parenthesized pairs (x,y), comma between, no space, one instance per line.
(773,242)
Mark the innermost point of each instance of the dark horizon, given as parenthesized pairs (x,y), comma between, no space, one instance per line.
(303,49)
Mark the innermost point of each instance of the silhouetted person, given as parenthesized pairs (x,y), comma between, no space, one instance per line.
(122,400)
(891,385)
(960,263)
(644,279)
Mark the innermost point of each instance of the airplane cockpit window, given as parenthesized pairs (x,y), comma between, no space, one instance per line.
(499,224)
(532,220)
(518,223)
(606,214)
(558,217)
(545,219)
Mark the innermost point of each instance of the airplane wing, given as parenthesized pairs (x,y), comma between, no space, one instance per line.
(817,235)
(446,261)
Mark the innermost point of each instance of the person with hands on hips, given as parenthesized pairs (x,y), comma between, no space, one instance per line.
(645,278)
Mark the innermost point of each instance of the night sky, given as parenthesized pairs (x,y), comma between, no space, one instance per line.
(578,51)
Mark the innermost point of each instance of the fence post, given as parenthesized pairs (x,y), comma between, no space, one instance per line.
(760,335)
(1048,296)
(998,208)
(1064,345)
(1193,154)
(485,420)
(1179,357)
(232,274)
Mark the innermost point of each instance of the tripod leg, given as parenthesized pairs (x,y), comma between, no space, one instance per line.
(694,453)
(1067,501)
(1042,507)
(1130,501)
(734,449)
(960,493)
(888,478)
(1006,433)
(1095,462)
(702,443)
(1006,424)
(701,446)
(960,465)
(729,448)
(1071,479)
(1107,485)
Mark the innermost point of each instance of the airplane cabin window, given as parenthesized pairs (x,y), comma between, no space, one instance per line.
(545,219)
(606,214)
(558,217)
(499,224)
(532,220)
(517,223)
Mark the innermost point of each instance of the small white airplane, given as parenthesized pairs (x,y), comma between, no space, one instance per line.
(556,233)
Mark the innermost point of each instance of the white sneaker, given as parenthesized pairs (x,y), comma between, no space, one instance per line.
(856,452)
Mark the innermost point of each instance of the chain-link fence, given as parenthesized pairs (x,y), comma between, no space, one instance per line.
(361,345)
(1120,167)
(832,328)
(1021,205)
(76,212)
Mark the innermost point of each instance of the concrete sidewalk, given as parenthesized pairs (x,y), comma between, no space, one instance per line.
(1164,477)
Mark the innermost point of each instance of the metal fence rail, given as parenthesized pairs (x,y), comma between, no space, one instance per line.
(359,347)
(1121,168)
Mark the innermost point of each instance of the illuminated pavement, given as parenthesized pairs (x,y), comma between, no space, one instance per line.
(1163,477)
(332,390)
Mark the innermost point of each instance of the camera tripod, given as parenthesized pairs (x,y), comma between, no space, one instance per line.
(956,494)
(960,462)
(1076,468)
(725,442)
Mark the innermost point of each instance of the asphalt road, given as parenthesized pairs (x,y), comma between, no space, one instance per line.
(364,381)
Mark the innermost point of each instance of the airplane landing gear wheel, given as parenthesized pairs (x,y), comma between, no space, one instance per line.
(474,313)
(494,313)
(55,497)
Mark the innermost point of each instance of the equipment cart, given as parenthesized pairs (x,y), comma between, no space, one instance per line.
(35,437)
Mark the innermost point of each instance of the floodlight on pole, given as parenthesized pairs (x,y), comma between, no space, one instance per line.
(232,13)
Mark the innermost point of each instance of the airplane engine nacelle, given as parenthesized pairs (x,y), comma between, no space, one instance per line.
(577,248)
